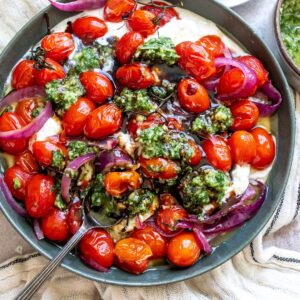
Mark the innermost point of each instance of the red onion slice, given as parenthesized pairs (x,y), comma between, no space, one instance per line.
(161,232)
(37,230)
(106,144)
(78,5)
(202,240)
(138,222)
(93,264)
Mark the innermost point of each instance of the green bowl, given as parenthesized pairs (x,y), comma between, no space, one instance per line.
(34,30)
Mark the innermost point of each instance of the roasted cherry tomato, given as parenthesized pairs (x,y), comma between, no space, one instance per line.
(52,71)
(218,153)
(174,124)
(265,148)
(181,48)
(168,217)
(54,225)
(152,238)
(40,195)
(25,109)
(98,246)
(242,146)
(142,21)
(43,151)
(74,218)
(256,65)
(116,10)
(135,76)
(11,121)
(89,28)
(103,121)
(27,162)
(17,181)
(245,115)
(75,117)
(212,44)
(167,200)
(160,168)
(196,158)
(117,183)
(163,15)
(127,45)
(192,96)
(58,46)
(23,74)
(183,250)
(132,255)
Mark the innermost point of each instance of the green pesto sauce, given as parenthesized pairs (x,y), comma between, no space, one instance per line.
(290,28)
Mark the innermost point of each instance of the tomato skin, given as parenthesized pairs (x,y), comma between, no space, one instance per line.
(174,124)
(245,115)
(115,10)
(45,75)
(196,158)
(256,65)
(58,46)
(27,162)
(75,117)
(168,217)
(23,74)
(152,238)
(89,28)
(74,218)
(127,46)
(135,76)
(103,121)
(218,153)
(40,196)
(16,173)
(212,44)
(132,255)
(167,200)
(183,250)
(265,148)
(54,225)
(98,87)
(11,121)
(142,21)
(192,96)
(242,146)
(99,246)
(43,151)
(24,109)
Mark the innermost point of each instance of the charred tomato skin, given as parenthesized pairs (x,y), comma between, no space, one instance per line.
(27,162)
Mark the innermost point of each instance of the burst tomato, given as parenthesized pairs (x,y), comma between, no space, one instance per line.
(75,117)
(23,74)
(183,250)
(116,10)
(174,124)
(142,21)
(132,255)
(27,162)
(135,76)
(25,109)
(167,200)
(212,44)
(265,148)
(103,121)
(74,218)
(196,158)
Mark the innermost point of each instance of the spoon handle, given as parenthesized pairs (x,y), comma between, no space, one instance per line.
(34,285)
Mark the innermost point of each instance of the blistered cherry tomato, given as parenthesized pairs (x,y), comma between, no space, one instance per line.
(103,121)
(181,48)
(196,158)
(256,65)
(174,124)
(132,255)
(52,71)
(98,246)
(152,238)
(58,46)
(160,168)
(183,250)
(242,146)
(168,217)
(135,76)
(167,200)
(192,96)
(17,181)
(245,115)
(127,45)
(115,10)
(43,151)
(142,21)
(23,74)
(40,195)
(98,87)
(25,108)
(212,44)
(117,183)
(74,218)
(54,225)
(265,148)
(89,28)
(11,121)
(27,162)
(75,117)
(218,153)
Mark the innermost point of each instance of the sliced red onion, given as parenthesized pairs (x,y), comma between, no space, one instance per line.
(78,5)
(161,232)
(28,130)
(73,166)
(37,230)
(106,144)
(10,199)
(138,222)
(93,264)
(202,240)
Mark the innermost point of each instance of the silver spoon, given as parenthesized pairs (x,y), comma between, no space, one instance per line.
(91,220)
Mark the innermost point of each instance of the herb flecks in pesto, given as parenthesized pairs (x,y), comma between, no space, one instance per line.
(87,59)
(17,183)
(58,159)
(79,148)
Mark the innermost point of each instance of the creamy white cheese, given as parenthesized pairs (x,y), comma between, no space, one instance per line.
(240,178)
